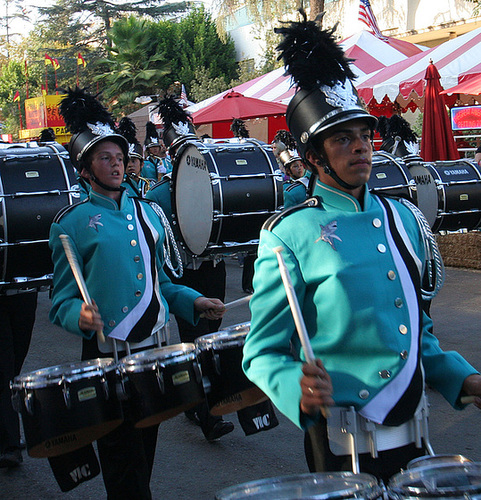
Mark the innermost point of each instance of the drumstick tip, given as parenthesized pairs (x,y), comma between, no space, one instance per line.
(278,249)
(101,336)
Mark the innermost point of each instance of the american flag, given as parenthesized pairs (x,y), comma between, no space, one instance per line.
(366,15)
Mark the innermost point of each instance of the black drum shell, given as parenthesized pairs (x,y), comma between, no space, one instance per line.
(36,183)
(150,405)
(54,429)
(390,176)
(459,194)
(226,386)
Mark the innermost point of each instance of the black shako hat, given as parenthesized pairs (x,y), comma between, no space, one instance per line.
(326,96)
(151,135)
(178,126)
(128,129)
(89,122)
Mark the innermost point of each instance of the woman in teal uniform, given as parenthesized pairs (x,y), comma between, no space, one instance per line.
(118,242)
(356,262)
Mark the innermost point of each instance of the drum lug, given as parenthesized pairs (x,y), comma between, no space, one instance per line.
(28,400)
(121,390)
(105,386)
(216,359)
(66,393)
(160,377)
(198,374)
(16,402)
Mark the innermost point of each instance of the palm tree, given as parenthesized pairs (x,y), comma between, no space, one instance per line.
(133,66)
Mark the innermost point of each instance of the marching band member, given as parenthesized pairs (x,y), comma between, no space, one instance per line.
(118,242)
(133,182)
(157,163)
(355,262)
(206,275)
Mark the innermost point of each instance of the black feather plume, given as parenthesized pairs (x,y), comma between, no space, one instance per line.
(128,129)
(311,55)
(382,125)
(239,129)
(150,130)
(398,126)
(80,108)
(172,112)
(286,138)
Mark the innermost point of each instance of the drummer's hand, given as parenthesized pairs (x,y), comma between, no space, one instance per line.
(316,388)
(472,387)
(90,318)
(212,309)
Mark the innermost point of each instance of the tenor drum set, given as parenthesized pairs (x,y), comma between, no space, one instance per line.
(447,192)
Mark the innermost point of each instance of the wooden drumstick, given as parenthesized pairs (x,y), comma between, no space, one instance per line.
(74,265)
(297,314)
(234,303)
(466,400)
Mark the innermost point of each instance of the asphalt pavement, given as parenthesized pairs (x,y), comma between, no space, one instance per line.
(188,467)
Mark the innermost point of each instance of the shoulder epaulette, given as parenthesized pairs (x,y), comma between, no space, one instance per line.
(66,209)
(272,221)
(294,185)
(162,181)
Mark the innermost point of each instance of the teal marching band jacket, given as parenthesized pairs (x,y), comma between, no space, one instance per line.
(120,253)
(356,272)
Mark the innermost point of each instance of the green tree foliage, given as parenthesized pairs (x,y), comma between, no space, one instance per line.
(134,65)
(193,45)
(12,79)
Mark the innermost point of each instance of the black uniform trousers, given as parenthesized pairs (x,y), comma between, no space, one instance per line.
(320,458)
(126,454)
(210,281)
(17,317)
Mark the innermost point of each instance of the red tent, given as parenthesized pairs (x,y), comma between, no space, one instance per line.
(234,105)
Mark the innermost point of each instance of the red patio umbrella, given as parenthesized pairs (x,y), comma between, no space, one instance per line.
(235,105)
(437,138)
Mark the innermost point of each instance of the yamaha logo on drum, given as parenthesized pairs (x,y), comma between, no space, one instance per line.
(457,171)
(195,162)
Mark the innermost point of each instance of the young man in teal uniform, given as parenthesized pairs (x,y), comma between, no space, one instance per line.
(157,163)
(118,242)
(355,262)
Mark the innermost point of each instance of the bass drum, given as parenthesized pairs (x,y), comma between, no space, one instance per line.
(426,187)
(223,191)
(391,177)
(459,195)
(35,183)
(319,485)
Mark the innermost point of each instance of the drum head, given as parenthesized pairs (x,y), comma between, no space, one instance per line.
(335,485)
(165,355)
(221,339)
(193,203)
(453,481)
(427,193)
(433,460)
(69,372)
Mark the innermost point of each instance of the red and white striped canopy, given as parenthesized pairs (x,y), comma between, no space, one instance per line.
(457,60)
(370,53)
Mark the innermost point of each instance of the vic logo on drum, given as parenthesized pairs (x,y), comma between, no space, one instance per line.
(196,162)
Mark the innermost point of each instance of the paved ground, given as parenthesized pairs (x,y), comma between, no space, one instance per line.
(187,467)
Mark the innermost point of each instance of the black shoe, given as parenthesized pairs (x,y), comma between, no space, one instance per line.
(248,290)
(11,458)
(220,428)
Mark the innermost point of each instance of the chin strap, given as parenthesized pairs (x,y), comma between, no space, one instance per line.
(101,184)
(332,173)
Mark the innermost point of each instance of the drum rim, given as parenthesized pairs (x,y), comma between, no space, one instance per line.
(181,352)
(69,372)
(430,460)
(221,337)
(366,480)
(397,482)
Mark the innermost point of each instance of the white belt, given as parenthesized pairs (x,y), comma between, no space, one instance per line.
(351,434)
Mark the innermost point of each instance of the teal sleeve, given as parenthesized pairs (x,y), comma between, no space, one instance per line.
(268,358)
(66,298)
